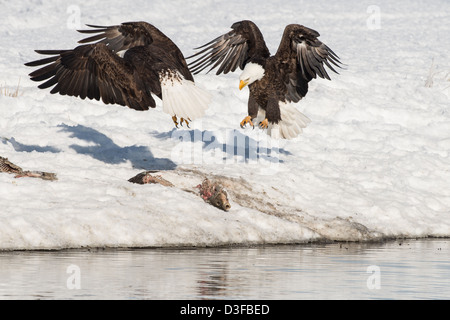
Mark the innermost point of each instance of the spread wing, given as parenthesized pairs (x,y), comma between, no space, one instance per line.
(303,57)
(120,37)
(231,50)
(133,34)
(92,71)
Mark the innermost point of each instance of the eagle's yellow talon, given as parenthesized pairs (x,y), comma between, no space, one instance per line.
(264,124)
(184,120)
(246,120)
(174,119)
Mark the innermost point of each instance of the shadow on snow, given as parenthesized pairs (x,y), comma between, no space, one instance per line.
(231,143)
(107,151)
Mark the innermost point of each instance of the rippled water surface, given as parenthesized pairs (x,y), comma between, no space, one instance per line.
(413,269)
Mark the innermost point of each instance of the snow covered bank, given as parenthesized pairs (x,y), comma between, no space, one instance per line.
(373,163)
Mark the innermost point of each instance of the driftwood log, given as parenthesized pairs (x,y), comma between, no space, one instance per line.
(146,178)
(9,167)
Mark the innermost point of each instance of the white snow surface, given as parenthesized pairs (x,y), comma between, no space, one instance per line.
(374,162)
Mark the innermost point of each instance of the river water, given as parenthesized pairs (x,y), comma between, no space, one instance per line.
(410,269)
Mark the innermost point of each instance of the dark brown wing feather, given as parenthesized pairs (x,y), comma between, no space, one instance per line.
(134,34)
(93,72)
(231,50)
(120,37)
(303,57)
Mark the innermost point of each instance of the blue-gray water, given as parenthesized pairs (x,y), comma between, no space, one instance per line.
(413,269)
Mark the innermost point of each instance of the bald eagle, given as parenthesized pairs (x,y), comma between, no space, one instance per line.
(275,82)
(125,64)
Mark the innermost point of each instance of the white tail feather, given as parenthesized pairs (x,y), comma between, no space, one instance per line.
(291,124)
(182,98)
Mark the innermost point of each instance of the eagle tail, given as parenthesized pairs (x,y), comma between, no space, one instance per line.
(182,98)
(291,124)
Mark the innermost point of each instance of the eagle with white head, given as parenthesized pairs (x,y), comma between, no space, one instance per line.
(275,82)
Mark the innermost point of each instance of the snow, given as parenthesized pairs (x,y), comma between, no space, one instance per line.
(374,162)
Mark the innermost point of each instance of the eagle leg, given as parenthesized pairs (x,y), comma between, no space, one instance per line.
(184,120)
(264,124)
(247,119)
(175,121)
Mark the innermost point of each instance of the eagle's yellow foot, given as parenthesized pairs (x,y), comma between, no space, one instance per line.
(246,120)
(184,120)
(264,124)
(175,120)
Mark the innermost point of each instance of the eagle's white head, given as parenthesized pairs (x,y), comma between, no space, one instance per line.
(252,72)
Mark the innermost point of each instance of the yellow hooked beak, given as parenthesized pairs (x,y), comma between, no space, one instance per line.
(242,84)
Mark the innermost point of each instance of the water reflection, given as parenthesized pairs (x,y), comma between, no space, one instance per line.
(213,281)
(416,269)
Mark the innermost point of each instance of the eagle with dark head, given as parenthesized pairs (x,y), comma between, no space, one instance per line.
(125,64)
(275,82)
